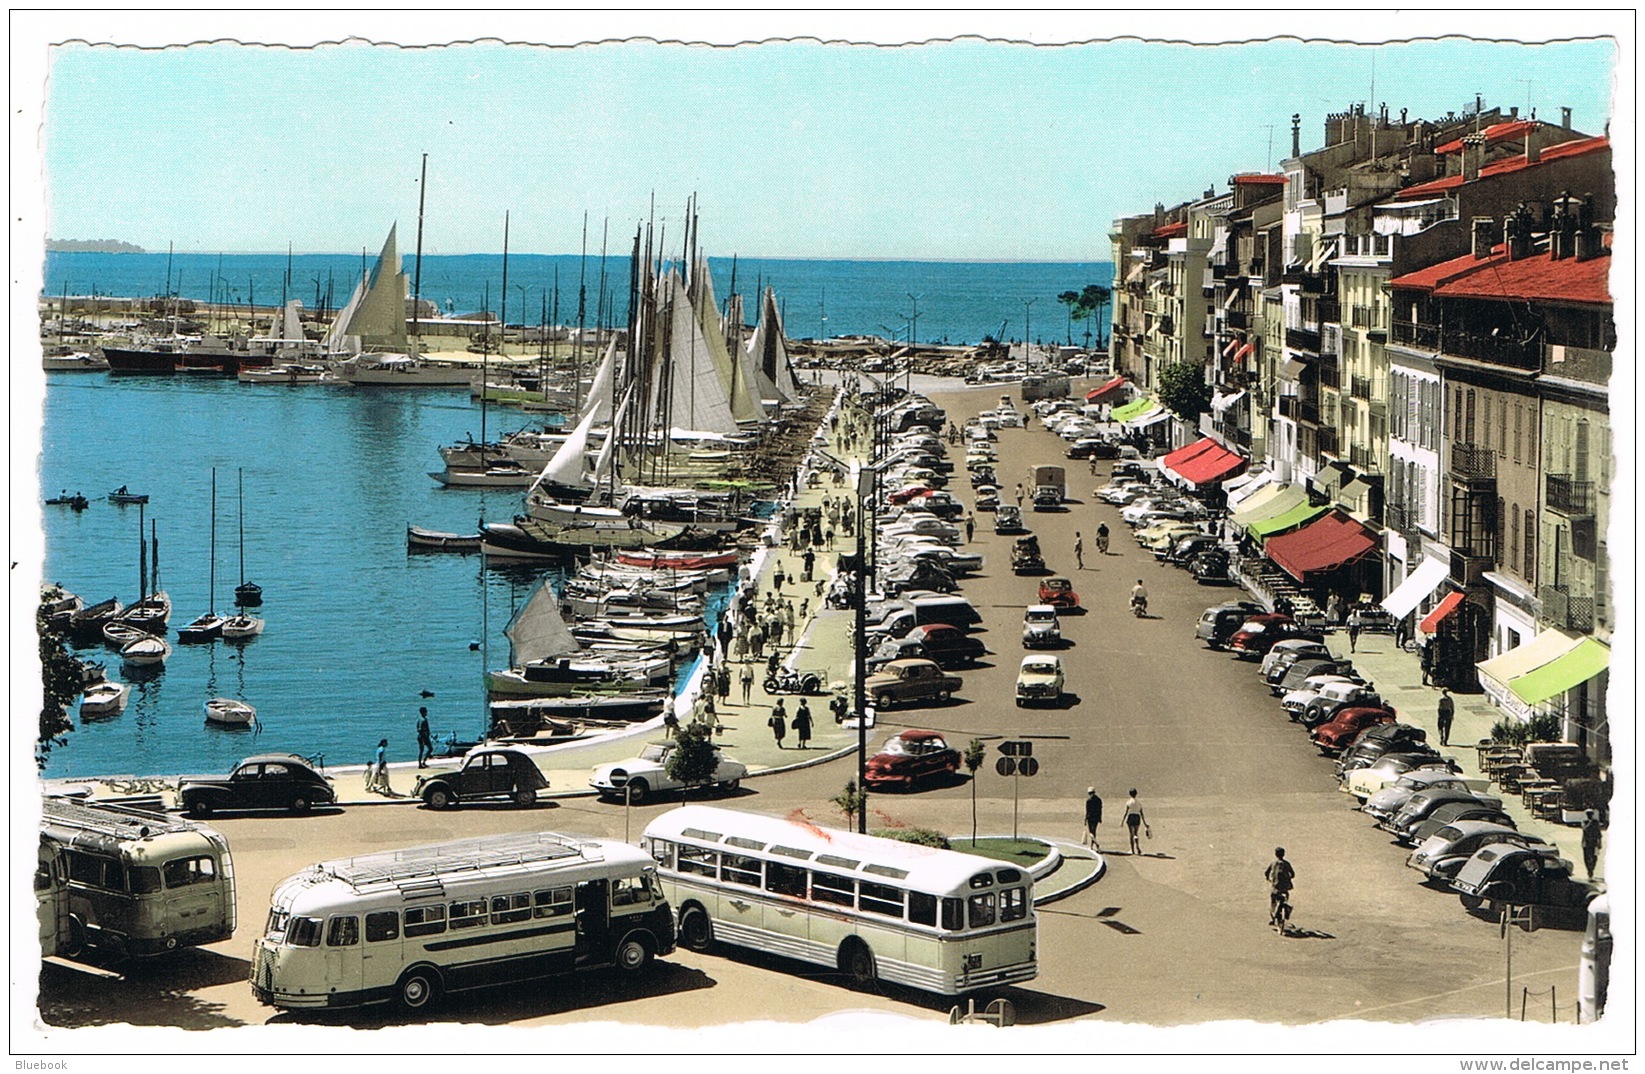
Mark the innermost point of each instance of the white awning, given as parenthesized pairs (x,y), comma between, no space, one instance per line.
(1153,417)
(1290,369)
(1418,585)
(1239,495)
(1220,402)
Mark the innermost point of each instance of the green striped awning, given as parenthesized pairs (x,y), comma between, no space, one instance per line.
(1135,409)
(1300,515)
(1563,673)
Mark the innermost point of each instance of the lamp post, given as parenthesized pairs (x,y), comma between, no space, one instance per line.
(1027,336)
(865,494)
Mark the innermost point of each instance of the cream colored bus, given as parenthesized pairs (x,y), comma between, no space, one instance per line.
(411,925)
(877,909)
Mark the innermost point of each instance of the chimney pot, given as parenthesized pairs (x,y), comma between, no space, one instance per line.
(1484,231)
(1565,118)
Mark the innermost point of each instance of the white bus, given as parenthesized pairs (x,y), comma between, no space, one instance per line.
(412,925)
(936,920)
(59,934)
(138,883)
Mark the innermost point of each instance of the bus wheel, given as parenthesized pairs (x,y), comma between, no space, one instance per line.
(74,937)
(858,963)
(418,988)
(525,796)
(632,955)
(696,930)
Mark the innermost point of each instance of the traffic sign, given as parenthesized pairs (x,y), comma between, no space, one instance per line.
(1017,748)
(1005,766)
(1028,766)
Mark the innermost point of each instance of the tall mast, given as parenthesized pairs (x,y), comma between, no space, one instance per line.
(582,312)
(417,273)
(142,556)
(211,590)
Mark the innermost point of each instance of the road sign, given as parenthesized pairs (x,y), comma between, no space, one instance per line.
(1006,766)
(1017,748)
(1028,766)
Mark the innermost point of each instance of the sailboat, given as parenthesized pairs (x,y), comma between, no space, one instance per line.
(241,626)
(208,627)
(152,610)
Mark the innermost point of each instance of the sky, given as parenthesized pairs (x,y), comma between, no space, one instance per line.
(964,149)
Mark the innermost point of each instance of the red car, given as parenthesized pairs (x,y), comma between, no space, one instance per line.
(910,757)
(1260,633)
(948,646)
(1334,736)
(1059,593)
(903,495)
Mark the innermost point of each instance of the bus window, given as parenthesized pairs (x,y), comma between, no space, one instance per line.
(382,925)
(182,872)
(784,879)
(922,908)
(506,909)
(145,879)
(982,880)
(425,920)
(1013,904)
(468,913)
(85,869)
(343,931)
(304,932)
(1008,876)
(982,910)
(697,860)
(840,890)
(663,852)
(630,891)
(740,869)
(953,917)
(555,903)
(880,899)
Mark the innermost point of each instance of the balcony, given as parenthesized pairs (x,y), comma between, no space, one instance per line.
(1573,499)
(1288,407)
(1363,458)
(1302,339)
(1413,334)
(1330,310)
(1238,318)
(1219,270)
(1326,439)
(1373,319)
(1360,388)
(1471,462)
(1330,371)
(1402,517)
(1497,349)
(1230,433)
(1308,412)
(1469,570)
(1560,609)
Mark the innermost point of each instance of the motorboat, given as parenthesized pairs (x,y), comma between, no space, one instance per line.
(229,712)
(121,498)
(501,474)
(656,559)
(106,698)
(146,651)
(75,362)
(285,373)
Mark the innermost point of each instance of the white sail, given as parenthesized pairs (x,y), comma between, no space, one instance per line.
(767,349)
(732,368)
(599,392)
(338,340)
(568,463)
(538,629)
(698,397)
(376,314)
(606,459)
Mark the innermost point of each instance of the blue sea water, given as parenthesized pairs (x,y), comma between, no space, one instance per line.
(357,627)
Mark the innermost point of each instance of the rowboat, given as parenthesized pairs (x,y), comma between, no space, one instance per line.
(146,651)
(123,498)
(228,712)
(120,634)
(656,559)
(420,539)
(104,699)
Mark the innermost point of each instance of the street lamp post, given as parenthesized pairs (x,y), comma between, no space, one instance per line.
(865,493)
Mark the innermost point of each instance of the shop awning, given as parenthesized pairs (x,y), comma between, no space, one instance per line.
(1240,489)
(1211,466)
(1431,621)
(1563,673)
(1097,393)
(1220,402)
(1268,502)
(1300,515)
(1334,540)
(1290,369)
(1153,417)
(1136,408)
(1499,673)
(1428,576)
(1172,461)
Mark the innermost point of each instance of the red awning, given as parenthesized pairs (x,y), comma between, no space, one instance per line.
(1239,356)
(1097,393)
(1175,460)
(1212,466)
(1333,540)
(1430,622)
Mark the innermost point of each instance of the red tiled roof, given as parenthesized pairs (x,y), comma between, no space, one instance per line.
(1171,231)
(1502,167)
(1534,277)
(1496,132)
(1268,180)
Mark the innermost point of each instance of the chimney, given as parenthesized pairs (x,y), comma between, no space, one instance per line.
(1565,118)
(1516,233)
(1513,113)
(1562,227)
(1533,151)
(1484,233)
(1402,112)
(1296,135)
(1590,241)
(1473,156)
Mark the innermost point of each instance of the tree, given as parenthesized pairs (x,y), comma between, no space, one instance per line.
(61,677)
(692,760)
(1183,390)
(851,801)
(975,753)
(1084,304)
(1071,299)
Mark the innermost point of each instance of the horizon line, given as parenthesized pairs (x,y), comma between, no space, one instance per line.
(512,253)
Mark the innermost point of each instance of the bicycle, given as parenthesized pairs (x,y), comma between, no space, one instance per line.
(1280,918)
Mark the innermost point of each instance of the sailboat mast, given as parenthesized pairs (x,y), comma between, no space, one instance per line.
(211,573)
(417,273)
(582,312)
(242,526)
(142,556)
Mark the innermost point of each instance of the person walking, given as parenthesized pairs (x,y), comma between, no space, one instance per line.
(802,724)
(722,683)
(1019,493)
(1079,551)
(779,578)
(425,738)
(970,526)
(778,722)
(1139,599)
(1353,634)
(1447,713)
(1280,876)
(1102,538)
(808,562)
(1592,831)
(1134,820)
(379,772)
(748,682)
(1093,816)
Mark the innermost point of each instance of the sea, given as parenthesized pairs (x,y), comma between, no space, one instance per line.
(315,486)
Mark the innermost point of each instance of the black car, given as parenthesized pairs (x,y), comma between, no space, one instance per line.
(1210,567)
(1093,449)
(1384,738)
(1184,551)
(267,781)
(489,773)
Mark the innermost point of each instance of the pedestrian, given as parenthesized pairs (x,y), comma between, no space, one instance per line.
(1426,655)
(748,682)
(425,738)
(756,642)
(830,536)
(772,664)
(1134,820)
(739,646)
(805,607)
(970,526)
(1447,713)
(1280,876)
(778,723)
(1402,631)
(1079,551)
(779,578)
(802,724)
(671,721)
(1353,633)
(1093,816)
(379,775)
(839,706)
(722,682)
(809,560)
(1591,833)
(1333,609)
(1102,538)
(1019,493)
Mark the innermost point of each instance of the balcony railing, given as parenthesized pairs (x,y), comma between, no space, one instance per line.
(1326,438)
(1560,609)
(1574,499)
(1308,412)
(1364,458)
(1469,570)
(1238,319)
(1500,349)
(1371,318)
(1288,407)
(1302,339)
(1329,310)
(1472,462)
(1400,516)
(1231,433)
(1330,371)
(1360,388)
(1417,335)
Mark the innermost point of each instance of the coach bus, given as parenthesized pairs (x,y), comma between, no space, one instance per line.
(139,883)
(59,934)
(412,925)
(877,909)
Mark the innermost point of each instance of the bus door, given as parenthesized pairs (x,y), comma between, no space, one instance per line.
(345,968)
(787,918)
(381,957)
(593,903)
(193,895)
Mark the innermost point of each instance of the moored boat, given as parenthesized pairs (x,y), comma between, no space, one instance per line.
(76,362)
(121,498)
(59,607)
(88,622)
(655,559)
(285,373)
(242,627)
(146,651)
(229,712)
(419,539)
(120,634)
(629,708)
(107,698)
(504,473)
(208,627)
(151,614)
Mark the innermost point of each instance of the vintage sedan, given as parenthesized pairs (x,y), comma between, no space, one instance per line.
(910,758)
(1041,629)
(1039,680)
(1384,738)
(266,781)
(1287,675)
(486,773)
(1364,782)
(910,680)
(1442,855)
(1297,699)
(1506,873)
(948,646)
(1421,805)
(1334,735)
(636,779)
(1219,622)
(1211,567)
(1292,649)
(1456,813)
(1059,593)
(1387,801)
(1262,632)
(1335,697)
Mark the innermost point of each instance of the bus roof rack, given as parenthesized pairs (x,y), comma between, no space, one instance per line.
(113,821)
(404,867)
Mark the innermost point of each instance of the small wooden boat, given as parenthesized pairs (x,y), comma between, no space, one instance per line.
(685,561)
(288,373)
(77,501)
(59,607)
(92,672)
(208,627)
(89,621)
(120,634)
(146,651)
(150,615)
(229,712)
(421,540)
(242,627)
(122,498)
(104,699)
(246,594)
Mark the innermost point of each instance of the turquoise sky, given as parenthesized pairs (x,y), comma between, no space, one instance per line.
(958,150)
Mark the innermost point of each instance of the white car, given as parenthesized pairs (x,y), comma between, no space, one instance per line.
(638,778)
(1041,629)
(1008,419)
(1313,687)
(1039,680)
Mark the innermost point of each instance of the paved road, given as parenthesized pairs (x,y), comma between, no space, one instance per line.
(1174,937)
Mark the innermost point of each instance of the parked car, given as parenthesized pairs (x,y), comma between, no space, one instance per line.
(1299,697)
(948,646)
(1219,622)
(984,475)
(1334,735)
(1121,492)
(1389,800)
(1157,539)
(1039,679)
(1008,519)
(636,779)
(1059,593)
(987,498)
(906,493)
(909,758)
(1442,855)
(1403,824)
(1288,651)
(1211,568)
(1334,698)
(1364,782)
(889,649)
(1092,448)
(941,504)
(1260,633)
(485,773)
(1130,466)
(1290,674)
(1041,629)
(1385,738)
(910,680)
(266,781)
(1456,812)
(1506,873)
(1184,551)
